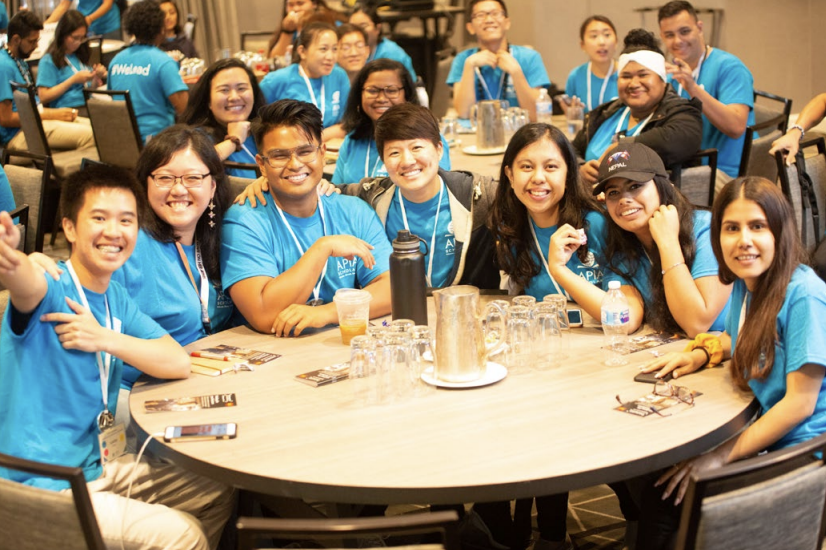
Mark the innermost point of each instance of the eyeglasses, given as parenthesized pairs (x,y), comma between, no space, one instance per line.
(166,181)
(79,39)
(679,392)
(496,15)
(345,48)
(390,92)
(281,157)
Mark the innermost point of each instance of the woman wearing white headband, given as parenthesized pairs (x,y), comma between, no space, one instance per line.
(647,111)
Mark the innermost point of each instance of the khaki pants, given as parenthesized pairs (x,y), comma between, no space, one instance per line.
(61,135)
(168,508)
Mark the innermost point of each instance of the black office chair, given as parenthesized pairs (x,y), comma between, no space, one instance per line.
(697,180)
(777,500)
(117,136)
(770,124)
(35,518)
(804,184)
(445,524)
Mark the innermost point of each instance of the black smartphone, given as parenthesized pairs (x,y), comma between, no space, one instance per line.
(648,377)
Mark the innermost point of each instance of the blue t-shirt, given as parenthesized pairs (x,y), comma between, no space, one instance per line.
(9,72)
(705,265)
(256,243)
(420,217)
(728,80)
(359,158)
(151,76)
(801,339)
(108,22)
(156,280)
(53,394)
(4,17)
(604,135)
(49,76)
(577,85)
(7,203)
(593,270)
(528,58)
(387,49)
(287,83)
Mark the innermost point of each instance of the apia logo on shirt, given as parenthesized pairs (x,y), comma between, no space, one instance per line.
(345,267)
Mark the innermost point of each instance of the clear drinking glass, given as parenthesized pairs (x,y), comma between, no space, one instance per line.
(548,337)
(520,340)
(561,307)
(363,369)
(397,356)
(421,358)
(496,326)
(401,325)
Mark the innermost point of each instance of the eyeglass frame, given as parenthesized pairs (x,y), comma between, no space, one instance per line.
(177,179)
(358,46)
(293,153)
(382,90)
(496,15)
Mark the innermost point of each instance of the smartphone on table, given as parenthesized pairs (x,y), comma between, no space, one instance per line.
(200,432)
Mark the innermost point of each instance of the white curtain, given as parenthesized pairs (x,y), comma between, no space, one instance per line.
(216,27)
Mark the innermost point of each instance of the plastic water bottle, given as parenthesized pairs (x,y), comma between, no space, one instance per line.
(544,107)
(408,286)
(615,319)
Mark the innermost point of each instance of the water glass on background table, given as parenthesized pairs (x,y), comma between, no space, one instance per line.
(399,382)
(575,117)
(450,129)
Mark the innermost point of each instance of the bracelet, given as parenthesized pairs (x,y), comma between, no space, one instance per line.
(798,127)
(711,345)
(708,357)
(236,140)
(672,267)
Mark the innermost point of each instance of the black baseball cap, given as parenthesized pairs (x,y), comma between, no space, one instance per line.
(633,161)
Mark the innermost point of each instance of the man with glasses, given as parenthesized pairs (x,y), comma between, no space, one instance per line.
(63,129)
(495,69)
(352,49)
(283,262)
(717,78)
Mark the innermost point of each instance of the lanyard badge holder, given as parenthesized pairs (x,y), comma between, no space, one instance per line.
(111,436)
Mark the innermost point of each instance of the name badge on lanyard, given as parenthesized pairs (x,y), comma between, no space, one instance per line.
(111,438)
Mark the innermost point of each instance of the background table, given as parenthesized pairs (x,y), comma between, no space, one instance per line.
(538,433)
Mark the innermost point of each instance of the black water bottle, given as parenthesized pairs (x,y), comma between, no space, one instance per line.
(408,287)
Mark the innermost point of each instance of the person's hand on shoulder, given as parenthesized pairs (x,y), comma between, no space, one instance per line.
(79,330)
(254,192)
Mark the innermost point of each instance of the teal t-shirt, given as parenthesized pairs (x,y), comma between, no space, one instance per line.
(420,220)
(592,269)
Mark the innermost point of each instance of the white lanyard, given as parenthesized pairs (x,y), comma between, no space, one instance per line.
(23,67)
(604,84)
(435,228)
(203,294)
(640,126)
(696,72)
(103,359)
(312,93)
(367,172)
(559,290)
(316,301)
(485,84)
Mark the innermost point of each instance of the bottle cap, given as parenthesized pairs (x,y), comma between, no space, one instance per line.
(613,285)
(406,242)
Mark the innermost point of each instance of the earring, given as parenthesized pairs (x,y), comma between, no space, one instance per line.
(211,213)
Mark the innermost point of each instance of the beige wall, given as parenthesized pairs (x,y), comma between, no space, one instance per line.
(783,43)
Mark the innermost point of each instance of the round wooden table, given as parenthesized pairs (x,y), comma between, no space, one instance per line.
(533,434)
